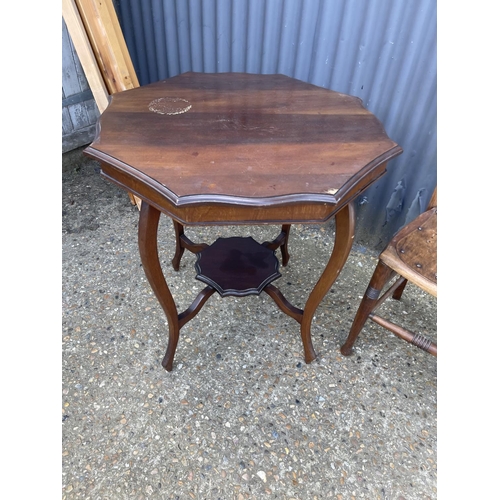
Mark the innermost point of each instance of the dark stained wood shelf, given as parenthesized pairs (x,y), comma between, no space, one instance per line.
(237,266)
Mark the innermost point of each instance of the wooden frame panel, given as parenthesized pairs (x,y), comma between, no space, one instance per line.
(85,53)
(106,37)
(98,39)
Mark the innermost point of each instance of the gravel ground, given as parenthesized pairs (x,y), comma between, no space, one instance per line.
(241,416)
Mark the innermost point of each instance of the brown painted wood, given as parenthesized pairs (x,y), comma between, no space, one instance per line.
(237,266)
(148,249)
(344,237)
(289,309)
(106,37)
(411,256)
(83,47)
(196,306)
(368,304)
(182,242)
(412,253)
(416,339)
(98,39)
(281,242)
(179,248)
(433,201)
(241,149)
(241,140)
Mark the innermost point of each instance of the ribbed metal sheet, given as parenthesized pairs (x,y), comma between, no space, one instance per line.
(383,51)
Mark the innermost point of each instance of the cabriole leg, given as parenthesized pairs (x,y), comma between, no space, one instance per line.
(285,256)
(344,236)
(148,248)
(179,249)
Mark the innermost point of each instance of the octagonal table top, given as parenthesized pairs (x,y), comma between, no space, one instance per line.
(240,138)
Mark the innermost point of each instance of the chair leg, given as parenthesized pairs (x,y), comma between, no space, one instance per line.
(380,277)
(399,290)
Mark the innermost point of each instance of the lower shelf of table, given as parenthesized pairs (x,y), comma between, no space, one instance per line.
(237,266)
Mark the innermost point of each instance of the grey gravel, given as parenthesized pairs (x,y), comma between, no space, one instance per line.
(241,416)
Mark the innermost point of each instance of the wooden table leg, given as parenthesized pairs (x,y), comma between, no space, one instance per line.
(148,248)
(179,249)
(285,256)
(344,237)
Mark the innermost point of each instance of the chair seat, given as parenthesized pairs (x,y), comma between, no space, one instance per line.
(412,252)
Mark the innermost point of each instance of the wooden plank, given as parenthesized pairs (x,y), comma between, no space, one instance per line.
(72,84)
(67,124)
(106,37)
(85,53)
(99,25)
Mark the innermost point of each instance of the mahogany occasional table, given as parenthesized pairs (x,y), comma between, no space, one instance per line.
(234,148)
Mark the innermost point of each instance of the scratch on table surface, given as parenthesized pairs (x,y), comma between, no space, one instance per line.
(331,191)
(169,106)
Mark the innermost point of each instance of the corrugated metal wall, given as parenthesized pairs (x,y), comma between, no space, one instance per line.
(383,51)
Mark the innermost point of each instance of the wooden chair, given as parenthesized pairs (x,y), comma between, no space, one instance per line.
(410,256)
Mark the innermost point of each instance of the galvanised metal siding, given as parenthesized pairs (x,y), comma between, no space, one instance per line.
(383,51)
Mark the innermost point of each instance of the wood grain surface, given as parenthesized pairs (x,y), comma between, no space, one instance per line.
(242,139)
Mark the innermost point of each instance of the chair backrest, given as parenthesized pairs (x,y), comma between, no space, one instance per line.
(433,201)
